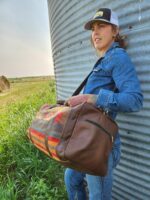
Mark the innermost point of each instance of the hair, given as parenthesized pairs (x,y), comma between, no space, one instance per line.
(120,38)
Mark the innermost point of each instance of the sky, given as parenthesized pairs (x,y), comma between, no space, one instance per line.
(25,47)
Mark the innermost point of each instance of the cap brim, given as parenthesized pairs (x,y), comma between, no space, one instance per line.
(88,25)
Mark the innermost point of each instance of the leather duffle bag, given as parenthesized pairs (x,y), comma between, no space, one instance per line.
(79,137)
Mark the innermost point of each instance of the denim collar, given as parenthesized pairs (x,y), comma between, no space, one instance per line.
(113,45)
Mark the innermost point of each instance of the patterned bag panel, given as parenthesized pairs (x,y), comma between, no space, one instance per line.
(46,129)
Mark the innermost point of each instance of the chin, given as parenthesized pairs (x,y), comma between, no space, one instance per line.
(98,48)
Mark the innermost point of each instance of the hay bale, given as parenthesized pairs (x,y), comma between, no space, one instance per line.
(4,83)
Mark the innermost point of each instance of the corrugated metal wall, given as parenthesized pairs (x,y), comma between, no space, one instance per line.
(74,57)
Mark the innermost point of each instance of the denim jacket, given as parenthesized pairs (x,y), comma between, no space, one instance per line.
(115,82)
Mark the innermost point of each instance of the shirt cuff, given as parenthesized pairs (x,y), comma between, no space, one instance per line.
(104,98)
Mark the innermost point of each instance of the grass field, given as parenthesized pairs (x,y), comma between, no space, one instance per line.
(23,88)
(25,172)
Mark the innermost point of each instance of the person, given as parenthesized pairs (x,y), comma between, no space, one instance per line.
(112,86)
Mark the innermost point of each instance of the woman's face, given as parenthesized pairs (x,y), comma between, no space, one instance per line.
(102,36)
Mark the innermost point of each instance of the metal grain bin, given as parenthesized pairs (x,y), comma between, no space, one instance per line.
(73,58)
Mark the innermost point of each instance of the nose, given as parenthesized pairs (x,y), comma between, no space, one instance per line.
(95,33)
(95,29)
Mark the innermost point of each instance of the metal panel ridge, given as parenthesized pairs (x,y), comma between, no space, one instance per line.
(74,57)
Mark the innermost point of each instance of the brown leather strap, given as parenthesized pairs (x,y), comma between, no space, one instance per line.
(46,144)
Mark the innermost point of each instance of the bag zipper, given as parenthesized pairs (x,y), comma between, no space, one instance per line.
(99,126)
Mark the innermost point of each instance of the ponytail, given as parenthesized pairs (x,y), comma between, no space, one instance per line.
(121,40)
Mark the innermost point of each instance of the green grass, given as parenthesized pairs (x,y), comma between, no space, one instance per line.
(25,172)
(21,90)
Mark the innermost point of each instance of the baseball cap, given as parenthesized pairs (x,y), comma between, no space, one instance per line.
(104,15)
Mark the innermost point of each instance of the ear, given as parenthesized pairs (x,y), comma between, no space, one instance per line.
(116,31)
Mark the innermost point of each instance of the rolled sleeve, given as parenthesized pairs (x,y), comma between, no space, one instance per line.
(128,97)
(104,98)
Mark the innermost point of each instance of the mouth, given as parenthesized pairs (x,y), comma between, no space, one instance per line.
(97,39)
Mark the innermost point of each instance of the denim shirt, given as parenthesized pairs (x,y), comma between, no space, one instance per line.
(114,80)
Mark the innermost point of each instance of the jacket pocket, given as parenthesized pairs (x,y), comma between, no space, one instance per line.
(116,154)
(99,71)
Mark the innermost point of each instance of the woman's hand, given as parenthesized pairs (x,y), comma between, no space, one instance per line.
(76,100)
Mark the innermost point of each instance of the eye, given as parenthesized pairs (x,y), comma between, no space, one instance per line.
(98,26)
(101,25)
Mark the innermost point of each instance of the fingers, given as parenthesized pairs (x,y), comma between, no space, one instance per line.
(66,103)
(79,99)
(74,101)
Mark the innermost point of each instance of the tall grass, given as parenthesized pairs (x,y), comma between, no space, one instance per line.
(25,172)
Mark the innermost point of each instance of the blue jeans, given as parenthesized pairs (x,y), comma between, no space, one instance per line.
(99,187)
(75,184)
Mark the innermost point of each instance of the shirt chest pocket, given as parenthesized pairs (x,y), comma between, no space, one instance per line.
(101,72)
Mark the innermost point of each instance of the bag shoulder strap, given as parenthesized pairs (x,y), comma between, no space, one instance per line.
(78,90)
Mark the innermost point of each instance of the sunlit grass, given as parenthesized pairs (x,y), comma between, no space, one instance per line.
(20,90)
(25,172)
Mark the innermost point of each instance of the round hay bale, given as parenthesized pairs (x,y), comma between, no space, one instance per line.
(4,83)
